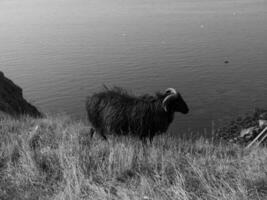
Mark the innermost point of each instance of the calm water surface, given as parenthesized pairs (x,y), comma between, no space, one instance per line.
(61,51)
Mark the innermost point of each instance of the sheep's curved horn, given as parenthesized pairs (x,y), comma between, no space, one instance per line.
(171,90)
(171,96)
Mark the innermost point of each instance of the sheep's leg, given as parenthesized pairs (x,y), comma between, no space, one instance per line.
(105,138)
(144,140)
(92,131)
(102,133)
(151,138)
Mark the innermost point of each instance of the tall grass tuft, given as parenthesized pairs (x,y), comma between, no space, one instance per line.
(55,158)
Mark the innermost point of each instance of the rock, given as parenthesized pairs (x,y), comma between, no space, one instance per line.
(262,123)
(12,101)
(263,120)
(248,132)
(233,129)
(248,137)
(263,116)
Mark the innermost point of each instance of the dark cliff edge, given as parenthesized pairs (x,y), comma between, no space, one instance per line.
(12,101)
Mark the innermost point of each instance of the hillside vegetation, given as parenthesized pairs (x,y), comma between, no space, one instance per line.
(55,158)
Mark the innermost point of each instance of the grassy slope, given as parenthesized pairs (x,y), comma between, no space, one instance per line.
(54,158)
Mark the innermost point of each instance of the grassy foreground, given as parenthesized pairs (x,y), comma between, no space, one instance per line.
(55,158)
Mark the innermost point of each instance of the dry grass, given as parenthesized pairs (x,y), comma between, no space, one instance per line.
(55,158)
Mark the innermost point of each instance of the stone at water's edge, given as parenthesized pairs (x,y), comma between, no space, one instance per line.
(12,101)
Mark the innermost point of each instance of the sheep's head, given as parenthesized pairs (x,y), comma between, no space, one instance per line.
(173,102)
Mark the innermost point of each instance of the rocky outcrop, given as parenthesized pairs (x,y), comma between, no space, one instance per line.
(244,129)
(12,101)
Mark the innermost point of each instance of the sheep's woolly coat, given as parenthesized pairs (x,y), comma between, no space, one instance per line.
(116,111)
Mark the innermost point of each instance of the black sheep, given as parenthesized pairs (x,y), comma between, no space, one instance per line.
(116,111)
